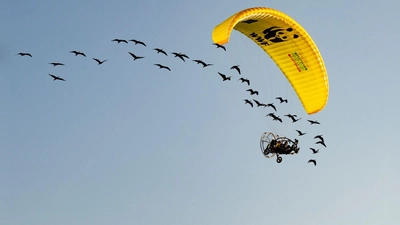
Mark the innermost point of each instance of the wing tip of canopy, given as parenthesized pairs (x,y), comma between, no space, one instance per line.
(221,32)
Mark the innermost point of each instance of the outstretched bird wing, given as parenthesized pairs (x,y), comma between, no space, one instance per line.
(313,161)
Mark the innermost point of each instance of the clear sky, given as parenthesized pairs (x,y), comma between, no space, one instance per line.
(127,143)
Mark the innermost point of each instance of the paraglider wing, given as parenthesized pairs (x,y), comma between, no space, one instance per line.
(289,46)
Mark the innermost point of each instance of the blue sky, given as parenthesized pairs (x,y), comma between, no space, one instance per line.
(127,143)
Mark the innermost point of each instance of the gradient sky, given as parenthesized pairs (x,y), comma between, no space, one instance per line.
(126,143)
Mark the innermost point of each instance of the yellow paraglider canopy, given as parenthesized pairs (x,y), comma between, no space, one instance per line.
(289,45)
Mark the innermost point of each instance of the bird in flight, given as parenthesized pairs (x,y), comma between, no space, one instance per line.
(259,103)
(272,106)
(24,54)
(120,40)
(198,61)
(300,133)
(252,92)
(57,64)
(78,53)
(138,42)
(312,161)
(321,142)
(319,137)
(181,56)
(220,46)
(163,67)
(236,67)
(293,117)
(135,56)
(281,99)
(314,151)
(274,117)
(224,77)
(159,50)
(56,77)
(247,101)
(313,122)
(245,80)
(99,61)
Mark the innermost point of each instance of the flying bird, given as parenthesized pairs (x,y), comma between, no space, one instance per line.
(313,161)
(245,80)
(24,54)
(198,61)
(281,99)
(314,151)
(99,61)
(293,117)
(57,64)
(321,142)
(138,42)
(159,50)
(319,137)
(247,101)
(236,67)
(181,56)
(274,117)
(163,67)
(259,103)
(272,106)
(313,122)
(252,92)
(135,56)
(300,133)
(120,40)
(220,46)
(224,77)
(56,77)
(78,53)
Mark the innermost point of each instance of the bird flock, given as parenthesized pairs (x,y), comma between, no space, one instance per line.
(319,140)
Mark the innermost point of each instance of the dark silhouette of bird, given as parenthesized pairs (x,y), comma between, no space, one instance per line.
(259,103)
(252,92)
(99,61)
(321,142)
(57,64)
(245,80)
(300,133)
(56,77)
(162,67)
(319,137)
(159,50)
(314,151)
(281,99)
(236,67)
(272,106)
(181,56)
(220,46)
(135,56)
(313,161)
(120,40)
(24,54)
(78,53)
(138,42)
(295,120)
(274,117)
(247,101)
(198,61)
(313,122)
(224,77)
(293,117)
